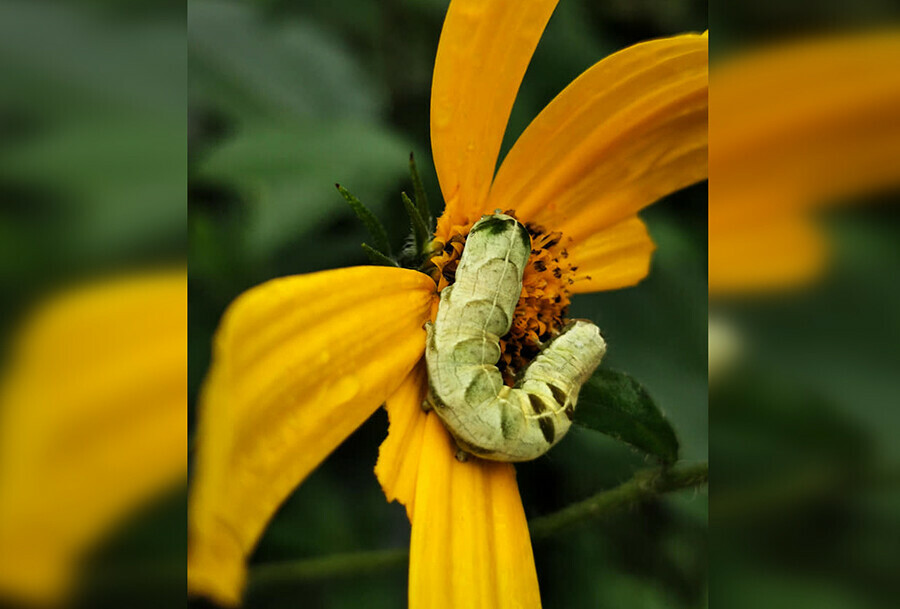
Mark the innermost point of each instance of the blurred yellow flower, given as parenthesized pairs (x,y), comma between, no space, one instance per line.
(830,133)
(93,408)
(300,362)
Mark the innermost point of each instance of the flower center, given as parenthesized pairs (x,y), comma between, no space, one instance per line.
(541,311)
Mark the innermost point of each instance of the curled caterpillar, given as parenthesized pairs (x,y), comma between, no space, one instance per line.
(486,417)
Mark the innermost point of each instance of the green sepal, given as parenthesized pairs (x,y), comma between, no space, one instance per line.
(617,405)
(372,224)
(376,257)
(419,193)
(419,228)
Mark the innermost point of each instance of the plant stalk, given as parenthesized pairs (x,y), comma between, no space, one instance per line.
(644,485)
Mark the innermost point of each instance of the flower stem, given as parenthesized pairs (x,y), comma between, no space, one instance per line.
(643,485)
(327,567)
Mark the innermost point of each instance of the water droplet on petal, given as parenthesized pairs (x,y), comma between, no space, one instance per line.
(344,390)
(442,120)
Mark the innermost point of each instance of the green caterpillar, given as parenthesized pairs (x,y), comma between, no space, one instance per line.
(486,417)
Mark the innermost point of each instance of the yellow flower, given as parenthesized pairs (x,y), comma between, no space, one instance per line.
(300,362)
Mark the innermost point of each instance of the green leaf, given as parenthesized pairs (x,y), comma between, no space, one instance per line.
(370,220)
(286,171)
(246,65)
(616,404)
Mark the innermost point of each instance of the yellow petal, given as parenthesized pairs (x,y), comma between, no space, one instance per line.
(616,257)
(627,132)
(398,458)
(484,49)
(299,363)
(93,414)
(470,545)
(778,253)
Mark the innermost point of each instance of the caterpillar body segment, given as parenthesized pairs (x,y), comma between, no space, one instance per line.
(486,417)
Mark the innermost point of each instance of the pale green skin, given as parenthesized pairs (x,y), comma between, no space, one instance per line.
(486,417)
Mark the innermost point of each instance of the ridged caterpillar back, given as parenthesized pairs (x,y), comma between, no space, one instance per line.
(486,417)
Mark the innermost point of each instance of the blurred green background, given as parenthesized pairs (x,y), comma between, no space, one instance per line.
(287,98)
(804,490)
(92,153)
